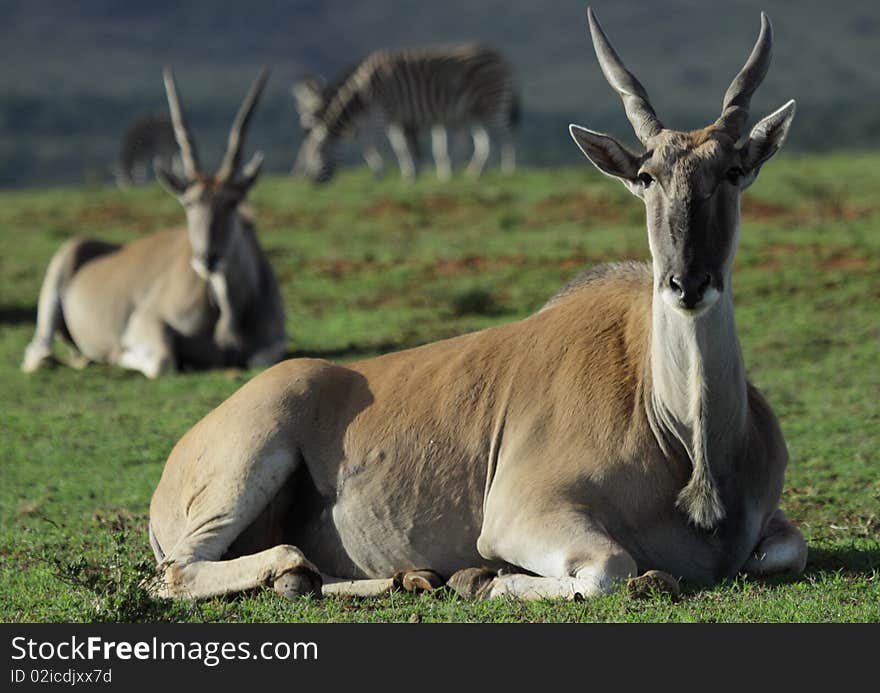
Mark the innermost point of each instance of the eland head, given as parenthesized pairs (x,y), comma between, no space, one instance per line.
(690,182)
(211,201)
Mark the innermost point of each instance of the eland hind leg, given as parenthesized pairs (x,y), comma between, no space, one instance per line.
(226,515)
(249,485)
(69,258)
(236,489)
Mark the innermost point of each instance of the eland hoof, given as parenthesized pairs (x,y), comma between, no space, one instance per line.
(651,583)
(422,580)
(472,583)
(35,359)
(298,583)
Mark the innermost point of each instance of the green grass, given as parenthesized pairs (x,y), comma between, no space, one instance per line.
(367,268)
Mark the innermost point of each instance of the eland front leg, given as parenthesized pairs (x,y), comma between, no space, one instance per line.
(146,345)
(569,553)
(531,526)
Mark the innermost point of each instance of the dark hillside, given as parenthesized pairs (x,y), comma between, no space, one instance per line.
(74,74)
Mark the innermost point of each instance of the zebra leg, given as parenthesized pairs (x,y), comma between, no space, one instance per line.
(139,173)
(374,160)
(401,145)
(508,153)
(412,141)
(481,150)
(440,149)
(371,153)
(121,175)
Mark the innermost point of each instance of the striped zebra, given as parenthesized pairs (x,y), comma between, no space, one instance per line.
(405,92)
(148,137)
(311,94)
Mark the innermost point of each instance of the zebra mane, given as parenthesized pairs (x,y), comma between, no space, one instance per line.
(342,96)
(332,87)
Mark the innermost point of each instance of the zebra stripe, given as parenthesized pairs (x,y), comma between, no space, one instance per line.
(410,91)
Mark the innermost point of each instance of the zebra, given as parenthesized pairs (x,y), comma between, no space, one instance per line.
(404,92)
(311,94)
(148,137)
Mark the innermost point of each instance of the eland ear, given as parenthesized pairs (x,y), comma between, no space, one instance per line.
(766,138)
(609,156)
(250,172)
(169,180)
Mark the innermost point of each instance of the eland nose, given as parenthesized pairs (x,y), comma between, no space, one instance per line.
(690,288)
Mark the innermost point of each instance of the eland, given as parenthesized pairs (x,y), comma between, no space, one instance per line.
(612,434)
(201,297)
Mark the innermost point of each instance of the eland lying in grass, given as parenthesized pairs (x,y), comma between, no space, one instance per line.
(201,297)
(611,433)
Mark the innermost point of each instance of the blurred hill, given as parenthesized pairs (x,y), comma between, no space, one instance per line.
(74,74)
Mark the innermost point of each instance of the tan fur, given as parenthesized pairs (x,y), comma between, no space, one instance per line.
(203,296)
(397,450)
(139,294)
(611,432)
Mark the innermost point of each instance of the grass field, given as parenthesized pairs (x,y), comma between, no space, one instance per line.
(367,268)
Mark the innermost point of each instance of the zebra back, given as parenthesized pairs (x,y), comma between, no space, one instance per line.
(419,88)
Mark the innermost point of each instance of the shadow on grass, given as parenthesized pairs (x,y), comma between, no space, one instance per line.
(856,558)
(113,571)
(17,315)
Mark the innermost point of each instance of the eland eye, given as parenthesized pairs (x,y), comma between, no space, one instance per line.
(646,179)
(734,174)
